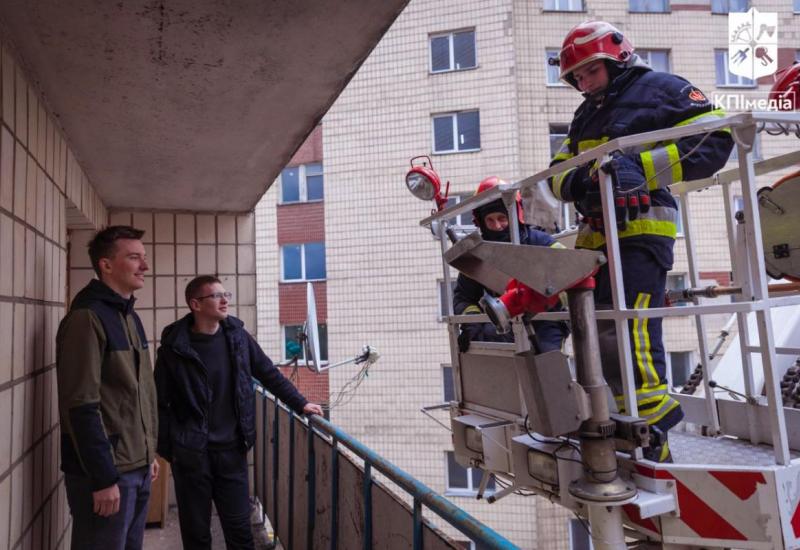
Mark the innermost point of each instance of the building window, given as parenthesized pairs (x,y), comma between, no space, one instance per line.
(681,366)
(657,59)
(724,76)
(453,51)
(677,281)
(553,71)
(303,262)
(448,387)
(464,219)
(648,6)
(443,297)
(579,535)
(729,6)
(456,132)
(558,133)
(293,348)
(301,183)
(464,481)
(756,151)
(563,5)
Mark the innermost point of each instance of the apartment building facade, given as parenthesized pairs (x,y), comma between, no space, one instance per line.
(468,84)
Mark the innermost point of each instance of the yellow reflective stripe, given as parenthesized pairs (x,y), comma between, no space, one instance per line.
(558,181)
(637,344)
(641,342)
(662,166)
(472,309)
(647,347)
(557,244)
(562,156)
(664,452)
(668,405)
(649,170)
(588,238)
(646,395)
(587,144)
(675,162)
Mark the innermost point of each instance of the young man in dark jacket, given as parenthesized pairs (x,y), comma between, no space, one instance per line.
(206,407)
(624,97)
(492,220)
(107,399)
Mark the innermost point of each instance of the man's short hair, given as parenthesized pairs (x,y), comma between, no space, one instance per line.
(104,244)
(195,286)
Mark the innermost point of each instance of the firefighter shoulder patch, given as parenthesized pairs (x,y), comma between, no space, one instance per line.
(695,95)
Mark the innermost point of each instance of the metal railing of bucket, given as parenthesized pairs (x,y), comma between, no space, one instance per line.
(297,460)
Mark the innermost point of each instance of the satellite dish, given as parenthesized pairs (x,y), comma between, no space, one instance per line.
(311,330)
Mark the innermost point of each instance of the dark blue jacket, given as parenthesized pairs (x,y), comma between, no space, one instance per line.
(184,394)
(642,100)
(549,334)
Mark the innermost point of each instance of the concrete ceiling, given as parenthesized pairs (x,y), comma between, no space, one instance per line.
(191,104)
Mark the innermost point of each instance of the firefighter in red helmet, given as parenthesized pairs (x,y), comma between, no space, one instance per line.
(492,220)
(624,96)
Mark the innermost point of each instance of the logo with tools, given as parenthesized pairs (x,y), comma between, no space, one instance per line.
(753,44)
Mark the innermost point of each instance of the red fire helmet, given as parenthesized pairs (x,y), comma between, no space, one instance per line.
(589,41)
(494,181)
(787,88)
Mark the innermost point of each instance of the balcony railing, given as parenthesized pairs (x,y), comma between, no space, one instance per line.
(316,496)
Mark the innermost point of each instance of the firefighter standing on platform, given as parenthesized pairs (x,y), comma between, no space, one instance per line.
(492,220)
(623,97)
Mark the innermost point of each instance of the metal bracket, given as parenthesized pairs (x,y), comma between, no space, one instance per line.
(425,411)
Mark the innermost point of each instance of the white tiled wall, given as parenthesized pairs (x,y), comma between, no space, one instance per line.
(181,246)
(39,180)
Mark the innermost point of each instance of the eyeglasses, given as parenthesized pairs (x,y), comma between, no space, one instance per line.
(217,296)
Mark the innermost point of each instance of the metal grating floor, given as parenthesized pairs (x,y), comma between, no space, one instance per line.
(688,448)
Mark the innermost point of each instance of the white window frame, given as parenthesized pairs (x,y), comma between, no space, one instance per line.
(302,170)
(460,491)
(692,361)
(547,68)
(646,55)
(302,263)
(666,10)
(451,50)
(723,54)
(570,7)
(727,8)
(303,360)
(454,120)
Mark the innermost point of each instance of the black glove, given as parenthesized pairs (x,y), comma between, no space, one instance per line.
(631,196)
(626,172)
(582,181)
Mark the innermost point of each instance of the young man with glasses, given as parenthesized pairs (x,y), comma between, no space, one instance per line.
(206,409)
